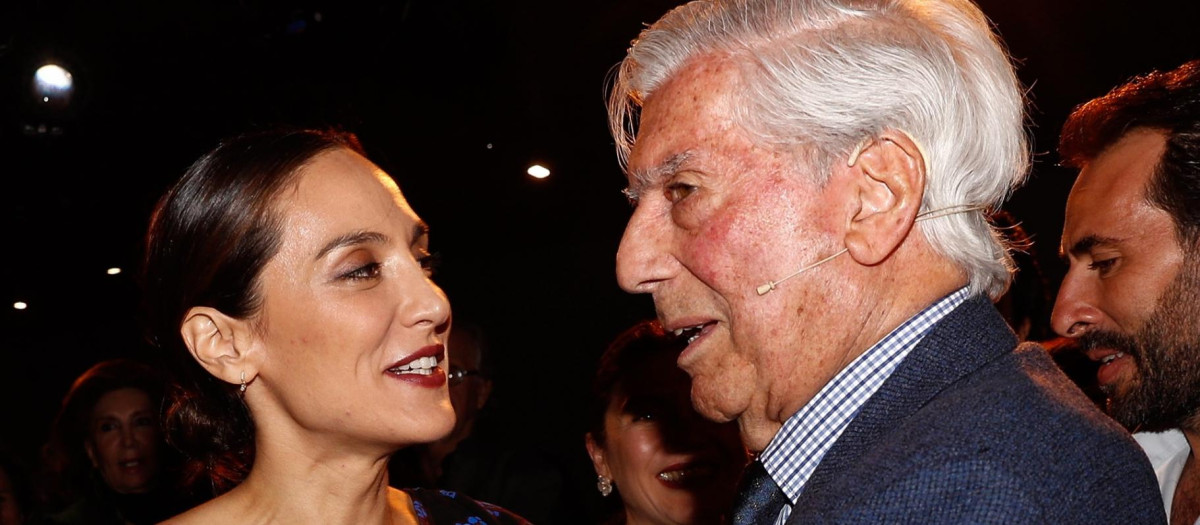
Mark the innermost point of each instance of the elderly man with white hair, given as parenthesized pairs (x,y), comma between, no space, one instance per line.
(810,181)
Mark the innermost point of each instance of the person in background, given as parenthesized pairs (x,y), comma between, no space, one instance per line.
(1131,297)
(810,182)
(15,493)
(106,457)
(652,452)
(288,281)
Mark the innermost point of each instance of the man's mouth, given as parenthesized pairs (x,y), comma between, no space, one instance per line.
(1110,357)
(692,333)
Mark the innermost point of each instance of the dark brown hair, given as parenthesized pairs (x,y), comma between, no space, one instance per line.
(1168,102)
(209,238)
(626,353)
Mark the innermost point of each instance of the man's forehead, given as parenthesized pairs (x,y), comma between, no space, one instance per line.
(1110,193)
(693,104)
(1124,168)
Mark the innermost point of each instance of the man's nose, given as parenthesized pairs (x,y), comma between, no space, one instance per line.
(1074,309)
(643,260)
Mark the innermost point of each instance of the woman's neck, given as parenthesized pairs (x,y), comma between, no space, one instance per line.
(302,478)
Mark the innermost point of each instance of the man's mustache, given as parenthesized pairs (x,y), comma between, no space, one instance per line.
(1104,339)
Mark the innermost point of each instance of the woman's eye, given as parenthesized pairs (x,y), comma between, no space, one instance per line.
(364,272)
(108,426)
(144,421)
(428,261)
(677,191)
(645,416)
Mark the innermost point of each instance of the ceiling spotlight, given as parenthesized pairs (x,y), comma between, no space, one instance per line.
(52,83)
(114,271)
(538,171)
(20,305)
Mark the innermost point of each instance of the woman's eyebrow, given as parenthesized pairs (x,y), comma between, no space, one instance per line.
(351,239)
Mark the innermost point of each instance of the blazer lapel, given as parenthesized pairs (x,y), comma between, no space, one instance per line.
(966,339)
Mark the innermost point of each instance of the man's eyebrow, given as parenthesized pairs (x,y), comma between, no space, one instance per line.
(351,239)
(642,178)
(1091,241)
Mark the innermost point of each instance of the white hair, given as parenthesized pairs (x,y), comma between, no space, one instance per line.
(823,76)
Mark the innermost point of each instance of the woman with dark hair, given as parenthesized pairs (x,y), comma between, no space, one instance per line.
(105,457)
(666,463)
(289,280)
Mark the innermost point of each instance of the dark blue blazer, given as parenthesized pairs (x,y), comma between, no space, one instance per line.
(972,428)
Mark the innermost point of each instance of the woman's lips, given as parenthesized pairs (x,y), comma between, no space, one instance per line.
(685,475)
(421,367)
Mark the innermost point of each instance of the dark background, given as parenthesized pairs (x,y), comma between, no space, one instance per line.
(454,98)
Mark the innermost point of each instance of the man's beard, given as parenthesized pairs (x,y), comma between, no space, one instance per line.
(1165,391)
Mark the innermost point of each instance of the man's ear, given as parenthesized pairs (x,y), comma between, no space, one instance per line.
(890,179)
(596,452)
(220,343)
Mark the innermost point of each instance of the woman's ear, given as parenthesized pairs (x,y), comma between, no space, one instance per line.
(890,175)
(90,448)
(220,343)
(596,452)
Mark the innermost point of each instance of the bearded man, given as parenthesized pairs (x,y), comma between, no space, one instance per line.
(1132,294)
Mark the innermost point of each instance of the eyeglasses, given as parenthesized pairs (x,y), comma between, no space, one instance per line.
(458,375)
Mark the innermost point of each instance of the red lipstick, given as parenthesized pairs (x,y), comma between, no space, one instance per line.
(421,367)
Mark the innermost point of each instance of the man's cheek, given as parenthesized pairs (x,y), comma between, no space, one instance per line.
(720,253)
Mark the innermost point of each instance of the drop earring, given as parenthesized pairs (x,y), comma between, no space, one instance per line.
(242,389)
(604,485)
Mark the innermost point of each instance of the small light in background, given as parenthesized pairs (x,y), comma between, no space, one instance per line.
(114,271)
(20,305)
(538,171)
(52,82)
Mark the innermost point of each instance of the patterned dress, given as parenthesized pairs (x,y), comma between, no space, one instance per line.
(444,507)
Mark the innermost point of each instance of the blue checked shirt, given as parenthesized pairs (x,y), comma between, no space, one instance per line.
(797,449)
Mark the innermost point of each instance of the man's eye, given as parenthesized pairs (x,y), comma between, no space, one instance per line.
(677,191)
(1102,266)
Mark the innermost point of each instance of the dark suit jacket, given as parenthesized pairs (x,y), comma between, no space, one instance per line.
(972,428)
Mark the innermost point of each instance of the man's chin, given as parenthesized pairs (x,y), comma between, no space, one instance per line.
(1137,413)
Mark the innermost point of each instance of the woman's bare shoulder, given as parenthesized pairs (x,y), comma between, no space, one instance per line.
(217,510)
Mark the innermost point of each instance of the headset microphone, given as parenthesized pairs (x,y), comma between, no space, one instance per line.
(932,214)
(763,289)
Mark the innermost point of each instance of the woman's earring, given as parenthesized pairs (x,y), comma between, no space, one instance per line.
(604,485)
(242,389)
